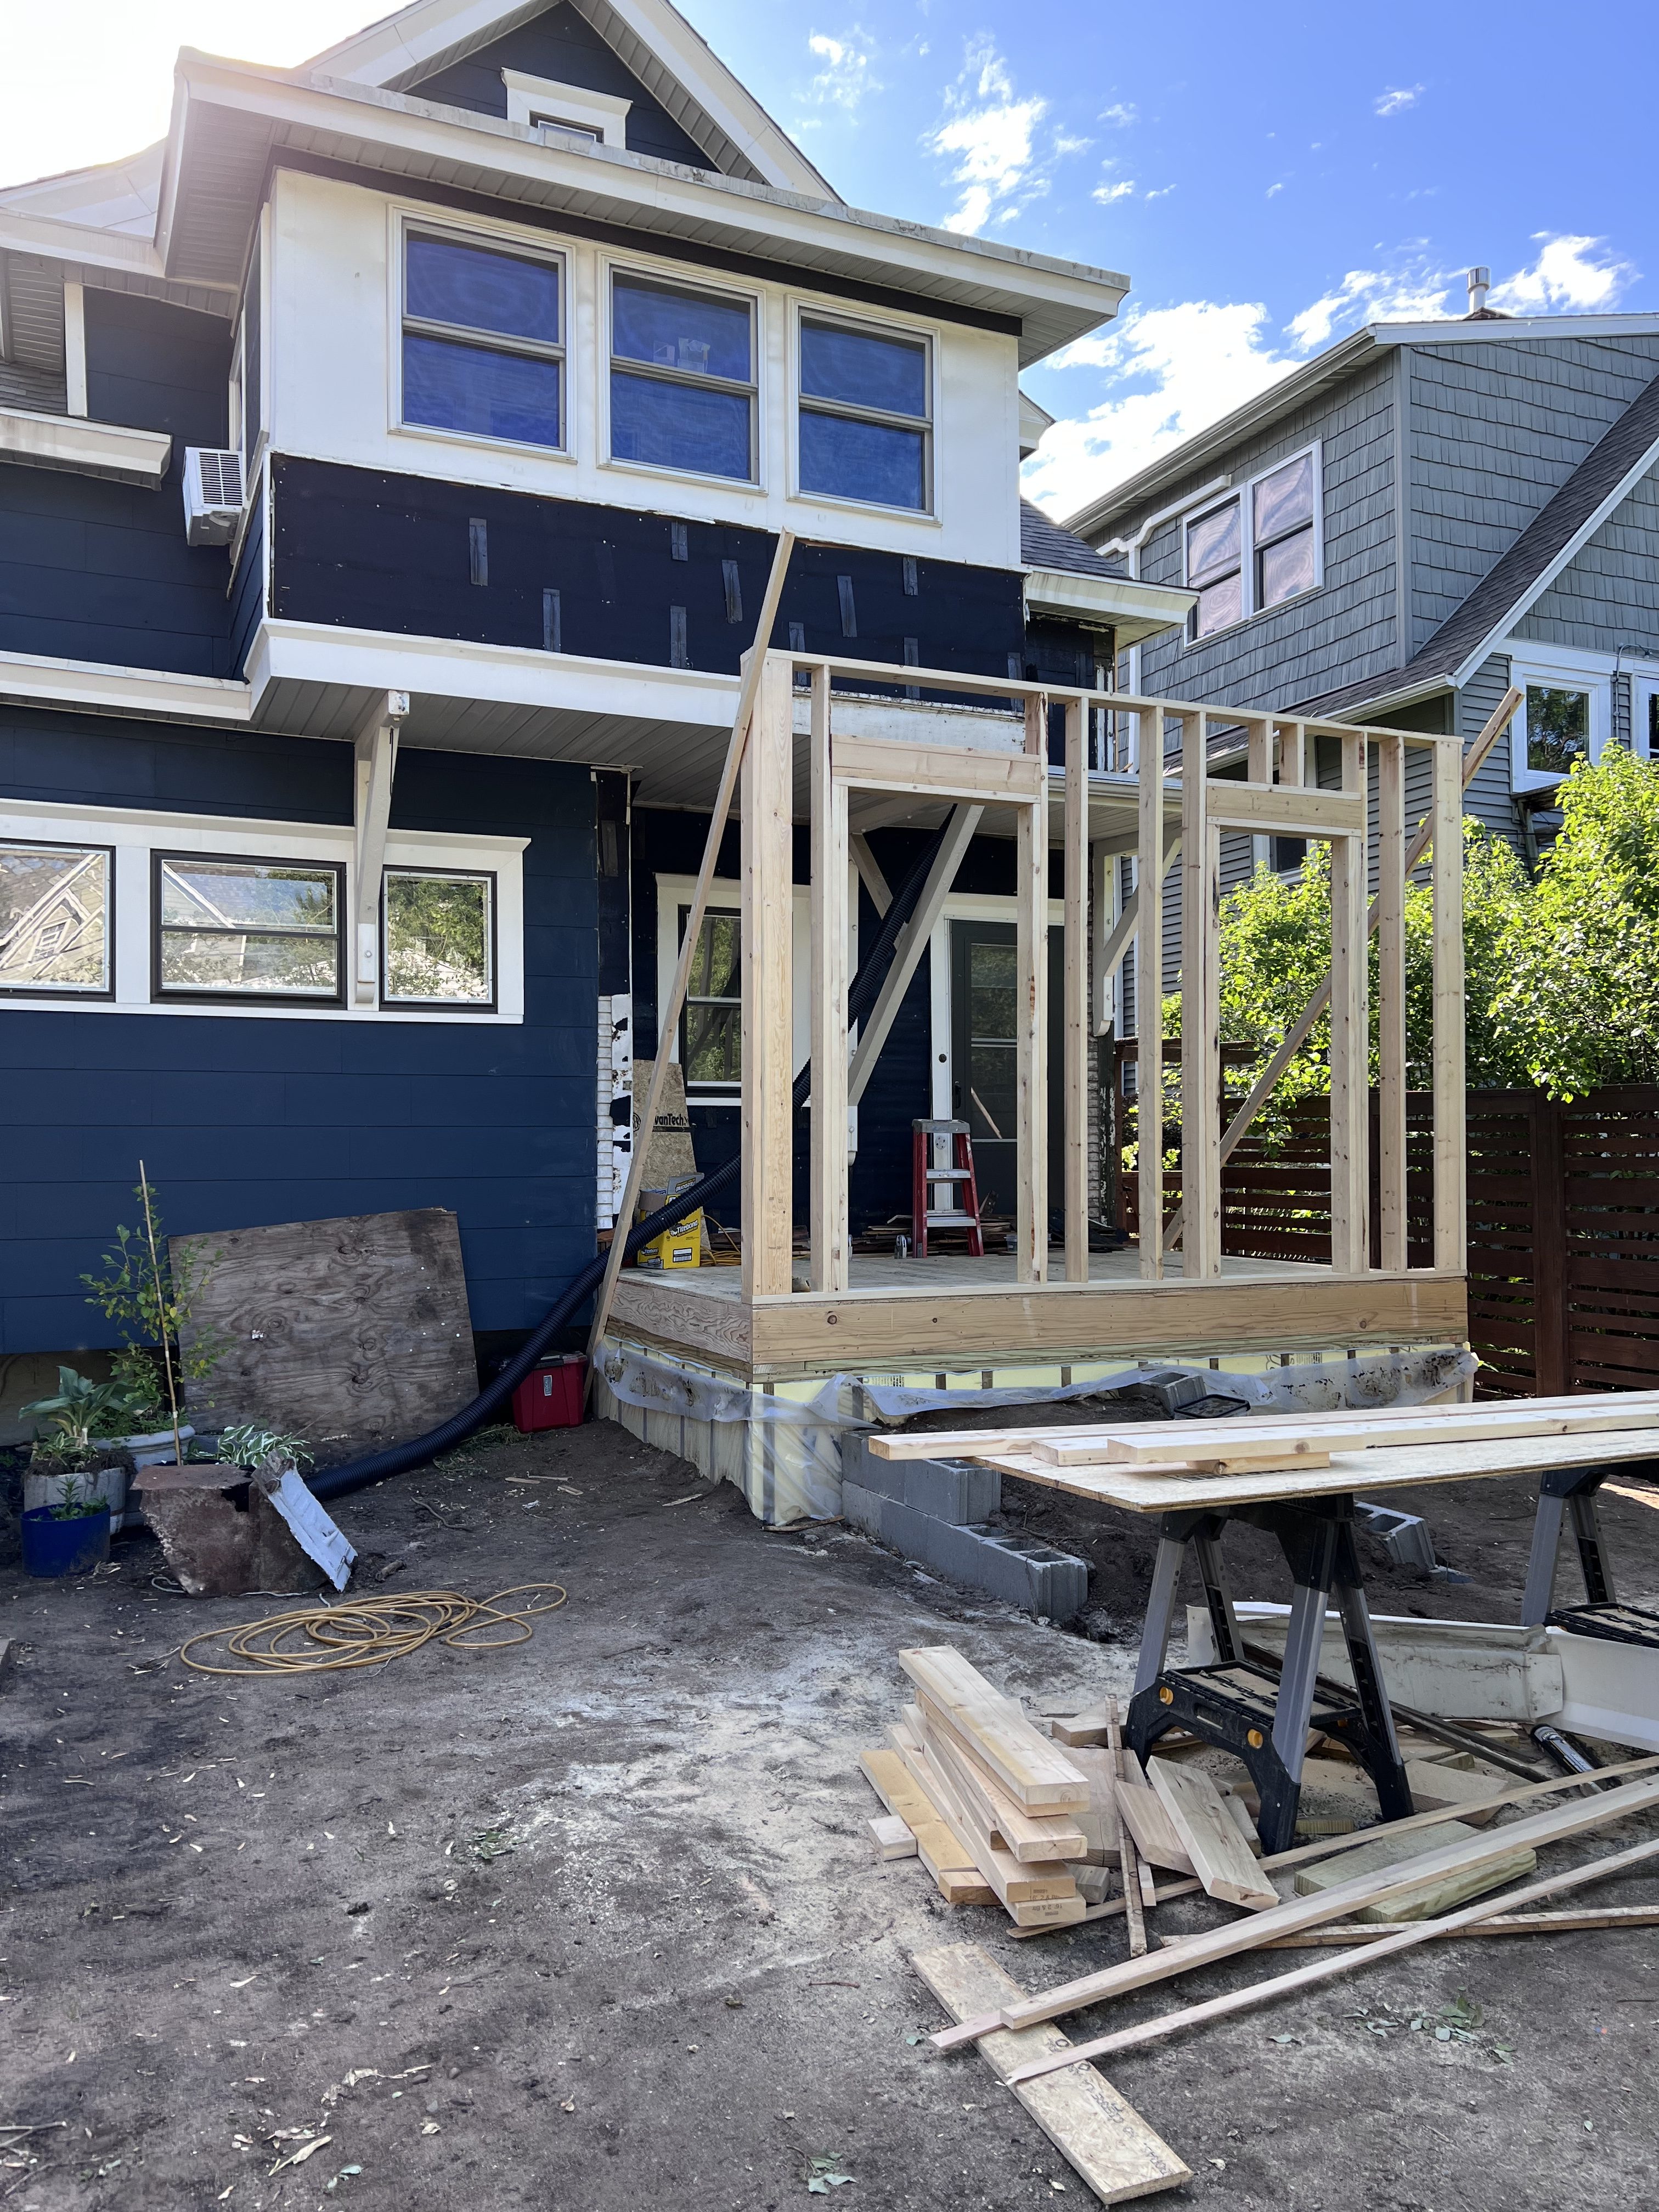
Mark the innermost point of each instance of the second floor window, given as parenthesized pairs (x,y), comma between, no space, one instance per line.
(1257,549)
(864,416)
(484,350)
(682,378)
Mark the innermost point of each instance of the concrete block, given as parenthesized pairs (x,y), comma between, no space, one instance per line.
(862,1507)
(957,1490)
(1022,1572)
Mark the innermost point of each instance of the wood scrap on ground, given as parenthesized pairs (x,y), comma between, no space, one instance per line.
(1098,2132)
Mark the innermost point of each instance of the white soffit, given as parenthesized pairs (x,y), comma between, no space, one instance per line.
(1131,610)
(235,116)
(84,449)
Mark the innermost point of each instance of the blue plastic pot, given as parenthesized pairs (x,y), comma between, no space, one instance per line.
(56,1548)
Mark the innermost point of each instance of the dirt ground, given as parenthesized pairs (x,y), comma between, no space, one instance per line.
(594,1922)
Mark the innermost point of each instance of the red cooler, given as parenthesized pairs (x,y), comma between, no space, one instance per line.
(550,1396)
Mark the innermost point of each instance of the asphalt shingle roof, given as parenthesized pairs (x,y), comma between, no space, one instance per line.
(1044,545)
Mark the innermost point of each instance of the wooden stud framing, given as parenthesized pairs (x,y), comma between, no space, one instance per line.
(829,993)
(1200,1011)
(1078,1035)
(767,959)
(1030,1016)
(1391,1001)
(1149,994)
(1450,1167)
(1350,1035)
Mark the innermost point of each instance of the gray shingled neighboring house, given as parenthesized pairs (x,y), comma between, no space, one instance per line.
(1419,515)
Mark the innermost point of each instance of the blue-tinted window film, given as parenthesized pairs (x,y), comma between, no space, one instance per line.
(679,426)
(492,395)
(871,461)
(681,330)
(449,283)
(861,369)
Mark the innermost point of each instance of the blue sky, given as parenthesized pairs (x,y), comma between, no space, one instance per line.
(1267,177)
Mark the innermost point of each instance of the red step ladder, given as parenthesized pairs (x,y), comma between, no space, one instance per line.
(957,1179)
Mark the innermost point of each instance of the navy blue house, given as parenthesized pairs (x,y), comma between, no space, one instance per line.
(391,467)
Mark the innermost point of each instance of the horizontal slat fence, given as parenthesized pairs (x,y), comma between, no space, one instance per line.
(1563,1226)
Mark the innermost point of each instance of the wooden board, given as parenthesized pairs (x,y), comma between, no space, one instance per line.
(944,1854)
(1386,1853)
(1100,1824)
(1033,1895)
(1033,1769)
(1027,1836)
(353,1334)
(893,1839)
(1219,1855)
(669,1156)
(1581,1816)
(1098,2133)
(1140,1490)
(1147,1819)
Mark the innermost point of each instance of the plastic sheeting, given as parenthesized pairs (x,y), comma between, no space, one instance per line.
(781,1446)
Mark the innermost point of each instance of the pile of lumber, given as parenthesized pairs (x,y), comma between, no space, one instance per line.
(998,1810)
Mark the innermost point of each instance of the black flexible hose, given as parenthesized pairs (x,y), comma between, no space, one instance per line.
(419,1451)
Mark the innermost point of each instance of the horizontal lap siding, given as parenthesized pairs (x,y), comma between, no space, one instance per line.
(91,570)
(242,1122)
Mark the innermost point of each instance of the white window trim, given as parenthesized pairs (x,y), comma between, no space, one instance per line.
(136,834)
(962,909)
(833,311)
(680,278)
(1564,669)
(1643,685)
(725,893)
(530,246)
(1243,492)
(533,99)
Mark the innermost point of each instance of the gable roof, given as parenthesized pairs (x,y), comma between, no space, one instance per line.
(1565,523)
(651,37)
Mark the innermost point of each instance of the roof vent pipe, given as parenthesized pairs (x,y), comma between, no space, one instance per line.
(1479,282)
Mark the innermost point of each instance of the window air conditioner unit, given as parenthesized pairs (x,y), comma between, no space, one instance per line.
(213,495)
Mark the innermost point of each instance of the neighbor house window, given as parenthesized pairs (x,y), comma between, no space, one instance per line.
(440,938)
(54,918)
(483,340)
(681,378)
(864,415)
(711,1028)
(1557,728)
(1256,548)
(233,929)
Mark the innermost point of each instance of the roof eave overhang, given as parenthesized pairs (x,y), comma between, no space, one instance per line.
(1132,611)
(215,179)
(1100,519)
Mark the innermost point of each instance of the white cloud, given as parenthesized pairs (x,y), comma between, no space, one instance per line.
(1123,190)
(1411,294)
(1122,113)
(1188,365)
(1273,191)
(990,136)
(1397,99)
(1572,275)
(845,77)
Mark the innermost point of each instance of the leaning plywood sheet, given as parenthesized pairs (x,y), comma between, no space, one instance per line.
(352,1333)
(1095,2130)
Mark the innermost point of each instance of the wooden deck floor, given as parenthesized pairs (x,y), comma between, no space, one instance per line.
(956,1270)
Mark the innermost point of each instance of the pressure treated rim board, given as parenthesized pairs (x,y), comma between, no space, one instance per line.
(823,1333)
(1406,1467)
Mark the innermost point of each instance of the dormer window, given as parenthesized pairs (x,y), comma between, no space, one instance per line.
(683,386)
(1257,548)
(483,340)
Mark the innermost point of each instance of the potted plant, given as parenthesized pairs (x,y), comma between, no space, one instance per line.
(72,1535)
(75,1444)
(151,1297)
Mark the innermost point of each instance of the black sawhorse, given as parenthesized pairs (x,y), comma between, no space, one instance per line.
(1242,1706)
(1569,1492)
